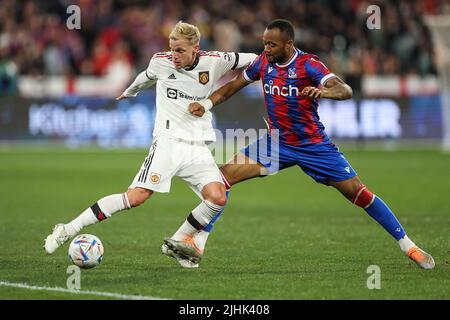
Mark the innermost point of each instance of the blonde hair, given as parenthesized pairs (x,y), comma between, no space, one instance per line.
(183,30)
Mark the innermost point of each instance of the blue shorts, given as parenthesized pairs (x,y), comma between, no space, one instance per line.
(321,161)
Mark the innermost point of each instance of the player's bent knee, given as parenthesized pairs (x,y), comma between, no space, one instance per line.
(363,197)
(220,201)
(138,196)
(218,198)
(215,193)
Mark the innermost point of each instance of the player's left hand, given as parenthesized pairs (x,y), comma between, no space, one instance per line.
(196,109)
(312,92)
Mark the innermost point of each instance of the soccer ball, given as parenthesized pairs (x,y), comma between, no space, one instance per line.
(86,251)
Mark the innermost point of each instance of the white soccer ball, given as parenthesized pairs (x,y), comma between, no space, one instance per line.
(86,251)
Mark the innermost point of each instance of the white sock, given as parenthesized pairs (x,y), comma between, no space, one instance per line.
(406,244)
(200,239)
(198,219)
(185,231)
(101,210)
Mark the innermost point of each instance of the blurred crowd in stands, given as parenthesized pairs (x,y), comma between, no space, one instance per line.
(120,36)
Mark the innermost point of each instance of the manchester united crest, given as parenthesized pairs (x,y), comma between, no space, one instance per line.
(155,178)
(203,77)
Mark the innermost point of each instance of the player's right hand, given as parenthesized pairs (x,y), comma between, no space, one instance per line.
(121,97)
(196,109)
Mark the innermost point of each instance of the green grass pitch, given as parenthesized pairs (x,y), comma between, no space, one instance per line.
(281,237)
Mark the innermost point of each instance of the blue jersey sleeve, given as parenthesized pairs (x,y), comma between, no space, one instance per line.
(317,71)
(252,72)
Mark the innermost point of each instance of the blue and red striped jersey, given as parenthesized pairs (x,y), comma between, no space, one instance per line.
(294,115)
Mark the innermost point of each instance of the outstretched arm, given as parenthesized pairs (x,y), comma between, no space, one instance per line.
(141,82)
(223,93)
(335,89)
(218,96)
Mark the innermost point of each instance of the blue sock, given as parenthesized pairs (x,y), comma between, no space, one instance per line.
(379,211)
(210,225)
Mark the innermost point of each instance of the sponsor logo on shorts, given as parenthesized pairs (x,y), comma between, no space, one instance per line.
(155,178)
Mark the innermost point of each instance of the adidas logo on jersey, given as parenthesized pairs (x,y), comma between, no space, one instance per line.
(172,76)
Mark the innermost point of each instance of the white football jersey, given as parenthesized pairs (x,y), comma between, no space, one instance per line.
(177,88)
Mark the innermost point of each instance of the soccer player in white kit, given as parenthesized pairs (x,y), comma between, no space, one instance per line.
(179,148)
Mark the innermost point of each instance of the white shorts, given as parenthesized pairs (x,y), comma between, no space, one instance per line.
(168,156)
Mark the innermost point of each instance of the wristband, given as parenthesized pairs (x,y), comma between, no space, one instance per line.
(207,104)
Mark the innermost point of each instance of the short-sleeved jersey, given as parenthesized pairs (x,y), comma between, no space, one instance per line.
(177,88)
(294,115)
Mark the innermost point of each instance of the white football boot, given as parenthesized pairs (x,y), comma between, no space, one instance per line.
(186,252)
(184,262)
(423,259)
(56,239)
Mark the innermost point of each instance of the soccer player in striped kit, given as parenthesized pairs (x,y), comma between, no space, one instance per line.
(183,75)
(293,81)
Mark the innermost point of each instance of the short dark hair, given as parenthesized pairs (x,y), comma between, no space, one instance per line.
(284,26)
